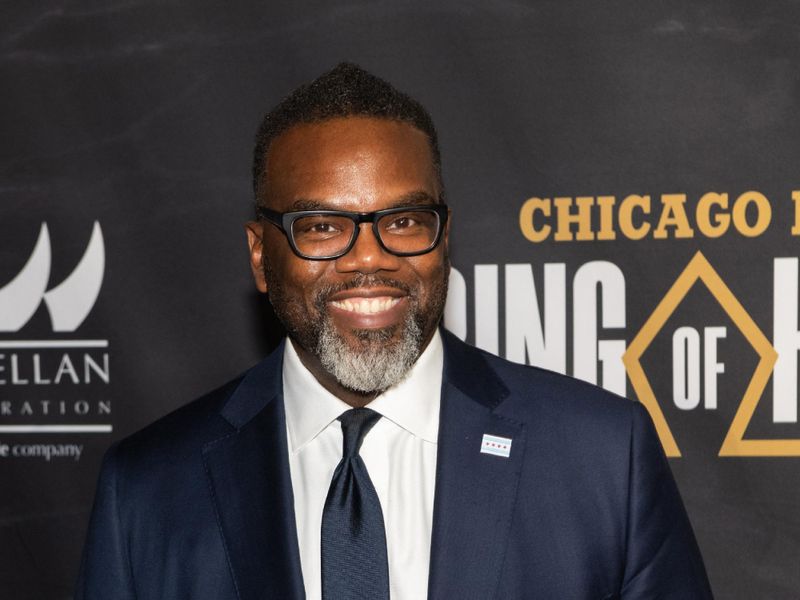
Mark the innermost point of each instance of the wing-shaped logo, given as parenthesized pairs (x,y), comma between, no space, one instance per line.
(68,303)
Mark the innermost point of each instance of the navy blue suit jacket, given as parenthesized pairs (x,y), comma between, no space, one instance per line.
(199,504)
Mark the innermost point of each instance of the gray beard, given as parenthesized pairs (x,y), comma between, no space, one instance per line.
(377,364)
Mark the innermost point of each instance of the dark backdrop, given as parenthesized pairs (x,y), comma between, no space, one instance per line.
(139,117)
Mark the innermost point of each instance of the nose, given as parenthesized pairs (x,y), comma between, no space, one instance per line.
(367,255)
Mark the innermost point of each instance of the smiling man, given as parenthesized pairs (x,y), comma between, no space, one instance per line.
(373,455)
(360,299)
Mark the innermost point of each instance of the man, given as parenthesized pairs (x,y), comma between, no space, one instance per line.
(465,476)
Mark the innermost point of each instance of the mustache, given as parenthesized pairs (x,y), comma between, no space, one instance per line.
(359,281)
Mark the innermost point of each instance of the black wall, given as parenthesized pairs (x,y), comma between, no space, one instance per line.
(139,116)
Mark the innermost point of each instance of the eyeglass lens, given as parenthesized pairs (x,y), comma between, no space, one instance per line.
(402,232)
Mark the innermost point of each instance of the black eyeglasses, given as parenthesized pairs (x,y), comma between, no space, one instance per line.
(329,234)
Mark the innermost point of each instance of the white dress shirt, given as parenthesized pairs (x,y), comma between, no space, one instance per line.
(399,453)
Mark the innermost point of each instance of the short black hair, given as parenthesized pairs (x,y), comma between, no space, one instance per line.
(347,90)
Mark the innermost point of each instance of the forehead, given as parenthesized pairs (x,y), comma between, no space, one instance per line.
(353,163)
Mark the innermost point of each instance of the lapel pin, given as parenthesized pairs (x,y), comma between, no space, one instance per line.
(498,446)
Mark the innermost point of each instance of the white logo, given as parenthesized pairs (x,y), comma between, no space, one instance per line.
(68,303)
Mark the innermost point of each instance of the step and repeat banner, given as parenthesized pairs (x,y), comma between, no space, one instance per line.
(626,210)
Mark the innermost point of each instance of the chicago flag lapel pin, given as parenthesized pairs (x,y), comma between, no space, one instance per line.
(498,446)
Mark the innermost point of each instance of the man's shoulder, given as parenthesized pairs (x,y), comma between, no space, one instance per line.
(535,393)
(580,427)
(185,429)
(212,416)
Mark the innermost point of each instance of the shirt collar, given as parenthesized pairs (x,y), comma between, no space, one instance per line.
(412,404)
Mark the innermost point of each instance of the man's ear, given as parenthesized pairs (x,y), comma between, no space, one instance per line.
(255,240)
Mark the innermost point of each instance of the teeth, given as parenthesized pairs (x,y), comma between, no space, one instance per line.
(366,306)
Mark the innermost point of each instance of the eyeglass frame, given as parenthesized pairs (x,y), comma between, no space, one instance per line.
(285,221)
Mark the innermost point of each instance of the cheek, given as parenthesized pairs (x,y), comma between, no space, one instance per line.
(283,269)
(299,278)
(431,274)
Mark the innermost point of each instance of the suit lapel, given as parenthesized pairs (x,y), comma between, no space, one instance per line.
(475,492)
(249,480)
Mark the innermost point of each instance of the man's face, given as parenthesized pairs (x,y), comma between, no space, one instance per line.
(367,310)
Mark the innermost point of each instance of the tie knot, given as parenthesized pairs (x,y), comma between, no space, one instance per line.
(356,422)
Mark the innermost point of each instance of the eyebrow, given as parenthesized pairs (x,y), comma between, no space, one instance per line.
(307,204)
(415,198)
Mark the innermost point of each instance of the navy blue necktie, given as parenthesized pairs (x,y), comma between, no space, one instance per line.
(354,563)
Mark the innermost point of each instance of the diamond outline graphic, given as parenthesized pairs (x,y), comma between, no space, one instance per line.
(734,444)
